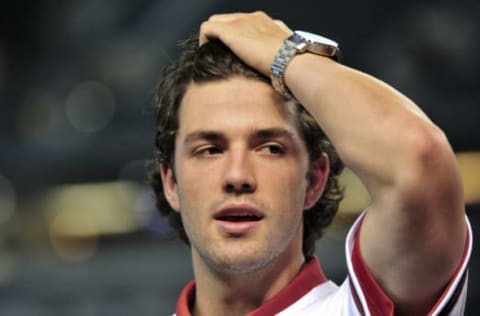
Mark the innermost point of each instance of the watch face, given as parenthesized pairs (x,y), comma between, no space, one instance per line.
(314,38)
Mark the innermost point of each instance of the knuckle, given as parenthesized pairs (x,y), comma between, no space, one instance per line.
(260,13)
(212,17)
(263,15)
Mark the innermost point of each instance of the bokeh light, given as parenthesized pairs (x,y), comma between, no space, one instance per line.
(469,163)
(6,265)
(73,236)
(135,170)
(39,118)
(79,214)
(7,199)
(149,217)
(356,195)
(90,106)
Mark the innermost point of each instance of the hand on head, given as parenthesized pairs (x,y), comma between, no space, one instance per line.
(253,37)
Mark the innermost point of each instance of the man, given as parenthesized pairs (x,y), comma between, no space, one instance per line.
(249,180)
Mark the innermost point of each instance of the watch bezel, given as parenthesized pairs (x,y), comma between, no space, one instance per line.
(316,44)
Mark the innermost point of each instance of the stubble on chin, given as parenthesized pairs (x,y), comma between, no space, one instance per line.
(240,257)
(229,264)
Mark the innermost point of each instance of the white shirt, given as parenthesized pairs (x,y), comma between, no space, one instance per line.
(310,293)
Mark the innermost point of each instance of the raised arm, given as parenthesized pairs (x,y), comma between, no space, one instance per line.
(413,235)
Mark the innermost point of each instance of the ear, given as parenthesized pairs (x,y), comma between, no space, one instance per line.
(317,178)
(170,187)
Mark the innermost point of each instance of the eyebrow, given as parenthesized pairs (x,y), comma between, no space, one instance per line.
(203,135)
(272,133)
(255,135)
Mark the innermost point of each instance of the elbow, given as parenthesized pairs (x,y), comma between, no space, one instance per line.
(428,167)
(428,149)
(426,141)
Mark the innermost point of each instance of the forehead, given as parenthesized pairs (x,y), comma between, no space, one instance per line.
(234,103)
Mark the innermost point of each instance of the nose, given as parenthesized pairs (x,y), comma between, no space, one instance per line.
(239,176)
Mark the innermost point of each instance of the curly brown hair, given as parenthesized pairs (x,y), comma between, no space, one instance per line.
(215,61)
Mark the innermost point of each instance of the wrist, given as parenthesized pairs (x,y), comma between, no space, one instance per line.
(297,44)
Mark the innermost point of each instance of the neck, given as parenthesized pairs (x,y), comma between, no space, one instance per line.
(220,293)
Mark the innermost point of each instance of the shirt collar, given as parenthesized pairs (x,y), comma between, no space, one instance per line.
(309,277)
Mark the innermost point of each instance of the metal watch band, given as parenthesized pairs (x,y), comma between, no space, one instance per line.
(283,57)
(299,42)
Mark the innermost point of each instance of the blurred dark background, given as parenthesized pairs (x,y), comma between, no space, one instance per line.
(79,234)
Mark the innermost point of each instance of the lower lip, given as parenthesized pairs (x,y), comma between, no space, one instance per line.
(236,228)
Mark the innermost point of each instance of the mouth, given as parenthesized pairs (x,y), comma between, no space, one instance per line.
(238,220)
(238,214)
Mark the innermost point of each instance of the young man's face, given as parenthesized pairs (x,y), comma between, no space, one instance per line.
(240,179)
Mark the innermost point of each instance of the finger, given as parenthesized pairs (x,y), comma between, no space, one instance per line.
(209,30)
(228,17)
(202,38)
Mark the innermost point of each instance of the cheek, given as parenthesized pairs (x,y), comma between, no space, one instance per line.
(194,184)
(288,188)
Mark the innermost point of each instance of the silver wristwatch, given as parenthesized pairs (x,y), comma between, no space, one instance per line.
(297,43)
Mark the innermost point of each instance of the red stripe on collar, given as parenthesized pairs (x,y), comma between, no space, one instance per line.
(186,299)
(309,277)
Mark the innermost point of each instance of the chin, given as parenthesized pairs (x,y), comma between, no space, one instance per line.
(240,267)
(241,262)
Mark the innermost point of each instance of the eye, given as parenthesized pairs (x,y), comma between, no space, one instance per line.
(209,150)
(272,149)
